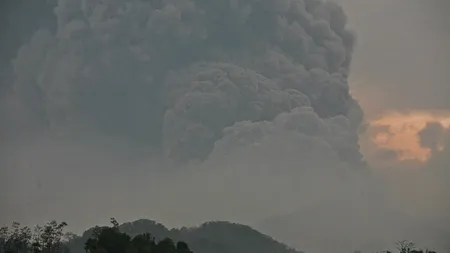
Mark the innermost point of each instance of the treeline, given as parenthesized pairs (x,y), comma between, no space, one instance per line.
(52,239)
(43,239)
(214,237)
(409,247)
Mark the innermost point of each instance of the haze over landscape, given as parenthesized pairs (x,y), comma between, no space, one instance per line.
(325,125)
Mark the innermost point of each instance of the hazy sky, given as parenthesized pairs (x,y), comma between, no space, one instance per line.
(402,58)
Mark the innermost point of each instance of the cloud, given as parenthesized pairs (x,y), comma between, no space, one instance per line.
(408,133)
(432,136)
(163,73)
(332,138)
(173,78)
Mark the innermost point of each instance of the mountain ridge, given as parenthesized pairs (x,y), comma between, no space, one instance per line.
(208,237)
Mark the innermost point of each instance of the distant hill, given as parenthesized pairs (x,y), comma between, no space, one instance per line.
(210,237)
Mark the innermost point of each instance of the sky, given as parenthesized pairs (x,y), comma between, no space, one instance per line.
(401,62)
(402,57)
(399,75)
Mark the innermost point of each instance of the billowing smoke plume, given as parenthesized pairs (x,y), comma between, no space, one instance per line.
(175,73)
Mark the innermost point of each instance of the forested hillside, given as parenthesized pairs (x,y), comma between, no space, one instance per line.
(218,237)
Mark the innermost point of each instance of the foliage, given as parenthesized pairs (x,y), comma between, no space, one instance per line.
(111,240)
(409,247)
(49,238)
(211,237)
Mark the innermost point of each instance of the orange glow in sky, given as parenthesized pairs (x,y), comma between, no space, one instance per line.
(399,132)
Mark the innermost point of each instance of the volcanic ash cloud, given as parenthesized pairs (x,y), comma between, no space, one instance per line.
(179,75)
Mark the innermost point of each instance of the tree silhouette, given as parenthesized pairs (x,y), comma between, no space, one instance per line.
(405,246)
(183,247)
(111,240)
(142,243)
(47,239)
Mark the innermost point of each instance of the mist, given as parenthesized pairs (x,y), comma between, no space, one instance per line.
(187,111)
